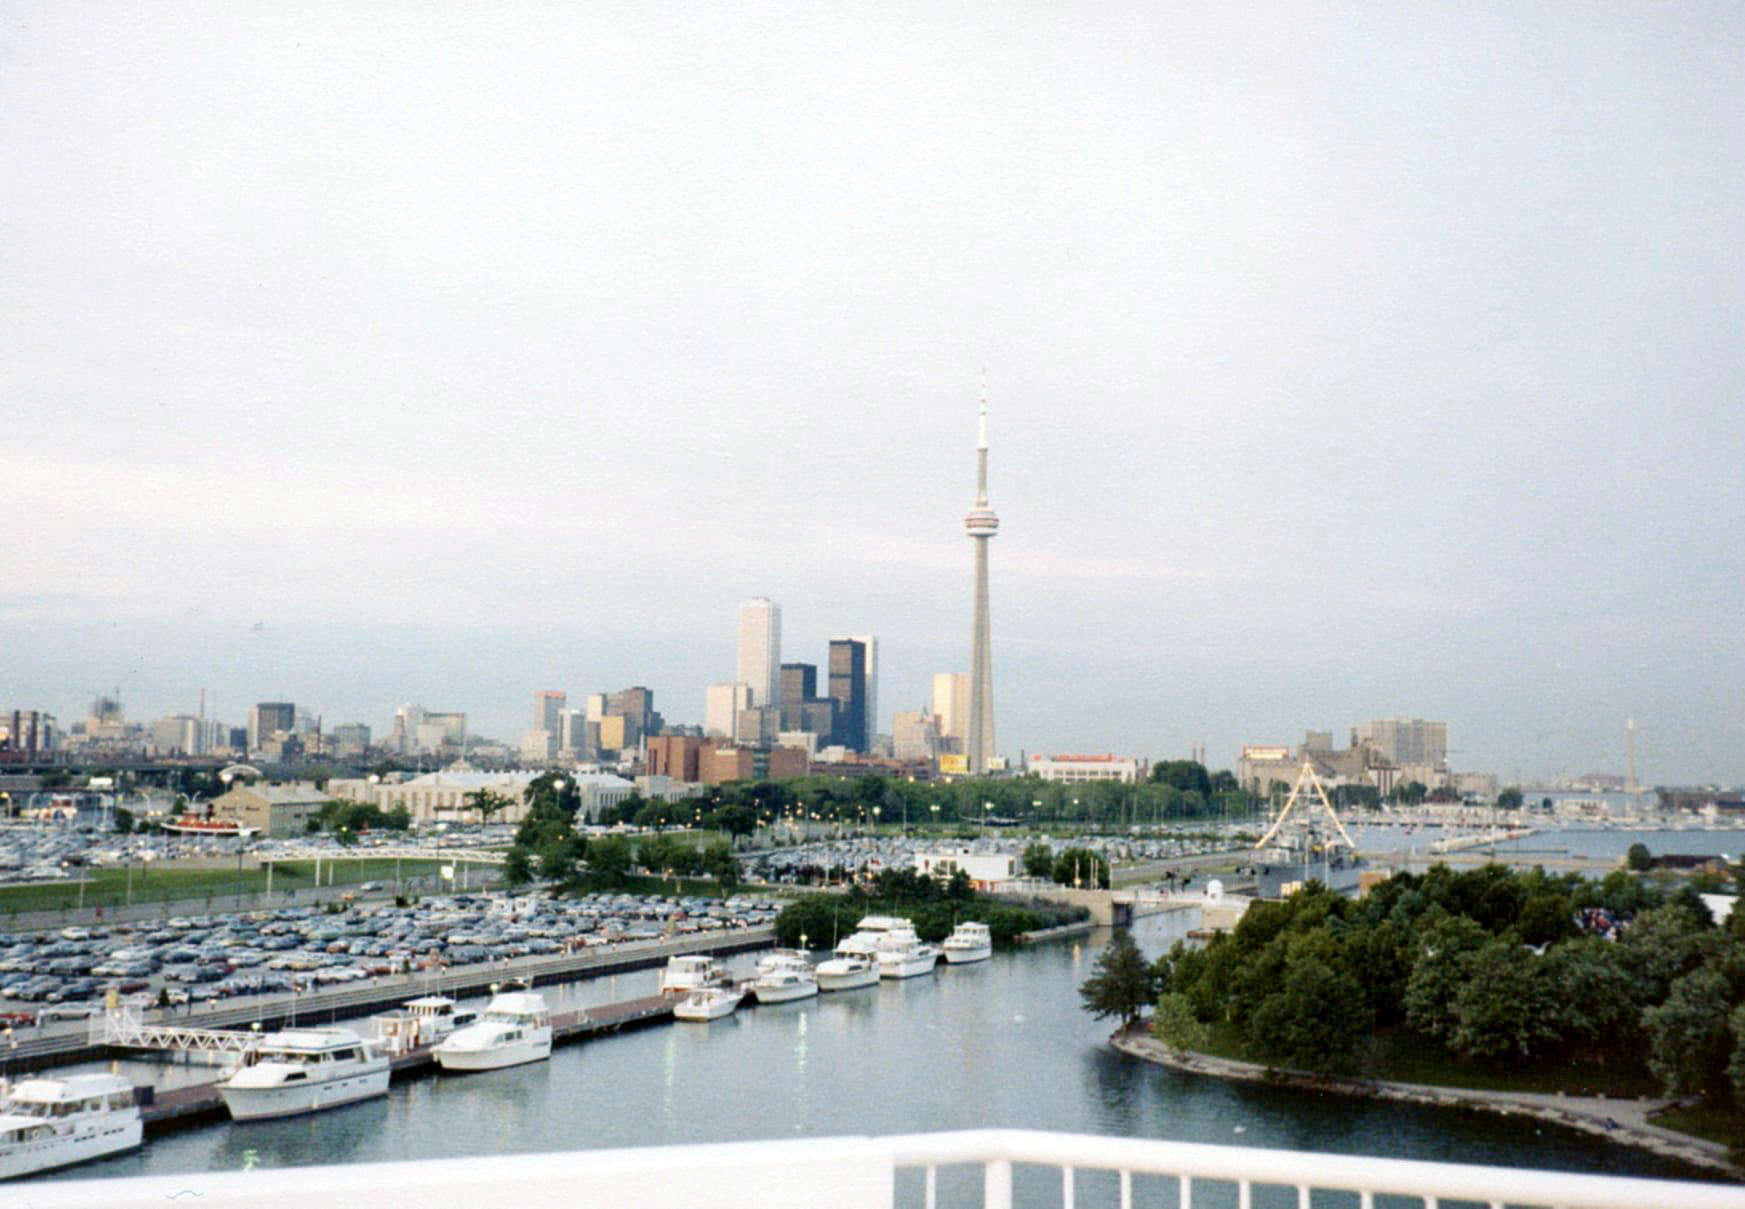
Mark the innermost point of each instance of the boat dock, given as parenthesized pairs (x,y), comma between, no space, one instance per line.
(194,1104)
(46,1050)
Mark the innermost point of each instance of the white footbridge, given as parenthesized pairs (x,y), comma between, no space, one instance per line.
(126,1028)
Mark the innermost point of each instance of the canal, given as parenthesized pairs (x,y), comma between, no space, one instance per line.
(999,1044)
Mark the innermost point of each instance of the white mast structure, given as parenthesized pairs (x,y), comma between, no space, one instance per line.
(1307,778)
(981,524)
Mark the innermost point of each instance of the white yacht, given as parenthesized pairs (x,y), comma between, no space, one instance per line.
(969,941)
(688,972)
(784,975)
(707,1003)
(49,1123)
(422,1021)
(902,955)
(846,971)
(305,1070)
(515,1028)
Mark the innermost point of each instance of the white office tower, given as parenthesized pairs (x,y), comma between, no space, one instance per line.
(981,524)
(760,649)
(951,704)
(721,706)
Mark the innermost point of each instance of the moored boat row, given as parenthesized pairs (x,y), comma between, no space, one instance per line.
(881,946)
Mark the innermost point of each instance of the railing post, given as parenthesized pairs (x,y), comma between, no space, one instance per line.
(997,1184)
(1066,1193)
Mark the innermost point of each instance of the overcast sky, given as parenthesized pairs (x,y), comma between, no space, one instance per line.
(1343,364)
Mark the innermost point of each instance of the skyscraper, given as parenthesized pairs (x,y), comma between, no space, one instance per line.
(981,524)
(848,687)
(869,667)
(266,719)
(760,648)
(547,711)
(951,706)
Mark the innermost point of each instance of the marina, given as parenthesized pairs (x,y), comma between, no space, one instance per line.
(966,1049)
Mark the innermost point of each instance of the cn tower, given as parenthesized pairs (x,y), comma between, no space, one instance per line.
(981,524)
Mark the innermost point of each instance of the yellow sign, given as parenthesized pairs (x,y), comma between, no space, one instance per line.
(954,762)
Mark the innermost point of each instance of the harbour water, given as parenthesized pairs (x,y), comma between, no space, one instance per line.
(1002,1043)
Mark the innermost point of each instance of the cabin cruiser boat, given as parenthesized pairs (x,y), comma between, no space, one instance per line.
(707,1003)
(305,1070)
(48,1123)
(969,941)
(864,941)
(422,1021)
(846,971)
(784,975)
(902,955)
(688,972)
(514,1028)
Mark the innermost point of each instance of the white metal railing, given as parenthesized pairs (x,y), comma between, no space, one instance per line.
(863,1173)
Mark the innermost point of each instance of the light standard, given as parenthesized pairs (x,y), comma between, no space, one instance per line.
(935,809)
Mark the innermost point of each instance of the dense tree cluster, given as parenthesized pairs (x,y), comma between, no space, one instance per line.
(548,846)
(740,807)
(348,819)
(1489,965)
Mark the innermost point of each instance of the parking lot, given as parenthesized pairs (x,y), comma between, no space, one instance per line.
(191,960)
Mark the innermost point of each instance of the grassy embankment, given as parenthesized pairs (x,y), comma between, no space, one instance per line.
(1398,1057)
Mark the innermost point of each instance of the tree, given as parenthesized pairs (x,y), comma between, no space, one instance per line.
(1596,1013)
(1545,918)
(123,820)
(1507,1007)
(1122,983)
(1441,970)
(1039,860)
(488,802)
(1638,857)
(1688,1038)
(1412,793)
(517,867)
(733,819)
(1081,867)
(609,857)
(1318,1019)
(1174,1023)
(1509,799)
(558,857)
(1189,776)
(719,862)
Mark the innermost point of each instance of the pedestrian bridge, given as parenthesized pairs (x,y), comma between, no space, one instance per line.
(923,1171)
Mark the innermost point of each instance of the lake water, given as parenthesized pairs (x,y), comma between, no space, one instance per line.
(999,1044)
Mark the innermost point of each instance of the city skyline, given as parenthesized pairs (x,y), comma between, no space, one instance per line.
(1371,364)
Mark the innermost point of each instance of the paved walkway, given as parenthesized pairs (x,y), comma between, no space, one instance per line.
(1624,1121)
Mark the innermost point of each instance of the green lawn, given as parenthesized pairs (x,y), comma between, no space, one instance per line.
(111,887)
(1723,1125)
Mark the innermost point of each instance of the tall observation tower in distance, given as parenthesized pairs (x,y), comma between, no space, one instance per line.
(981,524)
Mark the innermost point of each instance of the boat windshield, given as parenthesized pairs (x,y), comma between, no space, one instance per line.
(500,1016)
(289,1057)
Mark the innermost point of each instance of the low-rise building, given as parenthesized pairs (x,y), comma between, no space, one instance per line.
(1073,769)
(279,811)
(986,870)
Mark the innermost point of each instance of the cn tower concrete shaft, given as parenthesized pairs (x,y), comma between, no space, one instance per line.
(981,524)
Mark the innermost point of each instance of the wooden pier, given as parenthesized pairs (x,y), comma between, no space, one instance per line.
(199,1102)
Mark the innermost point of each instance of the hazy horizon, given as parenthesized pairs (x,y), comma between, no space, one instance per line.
(1342,365)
